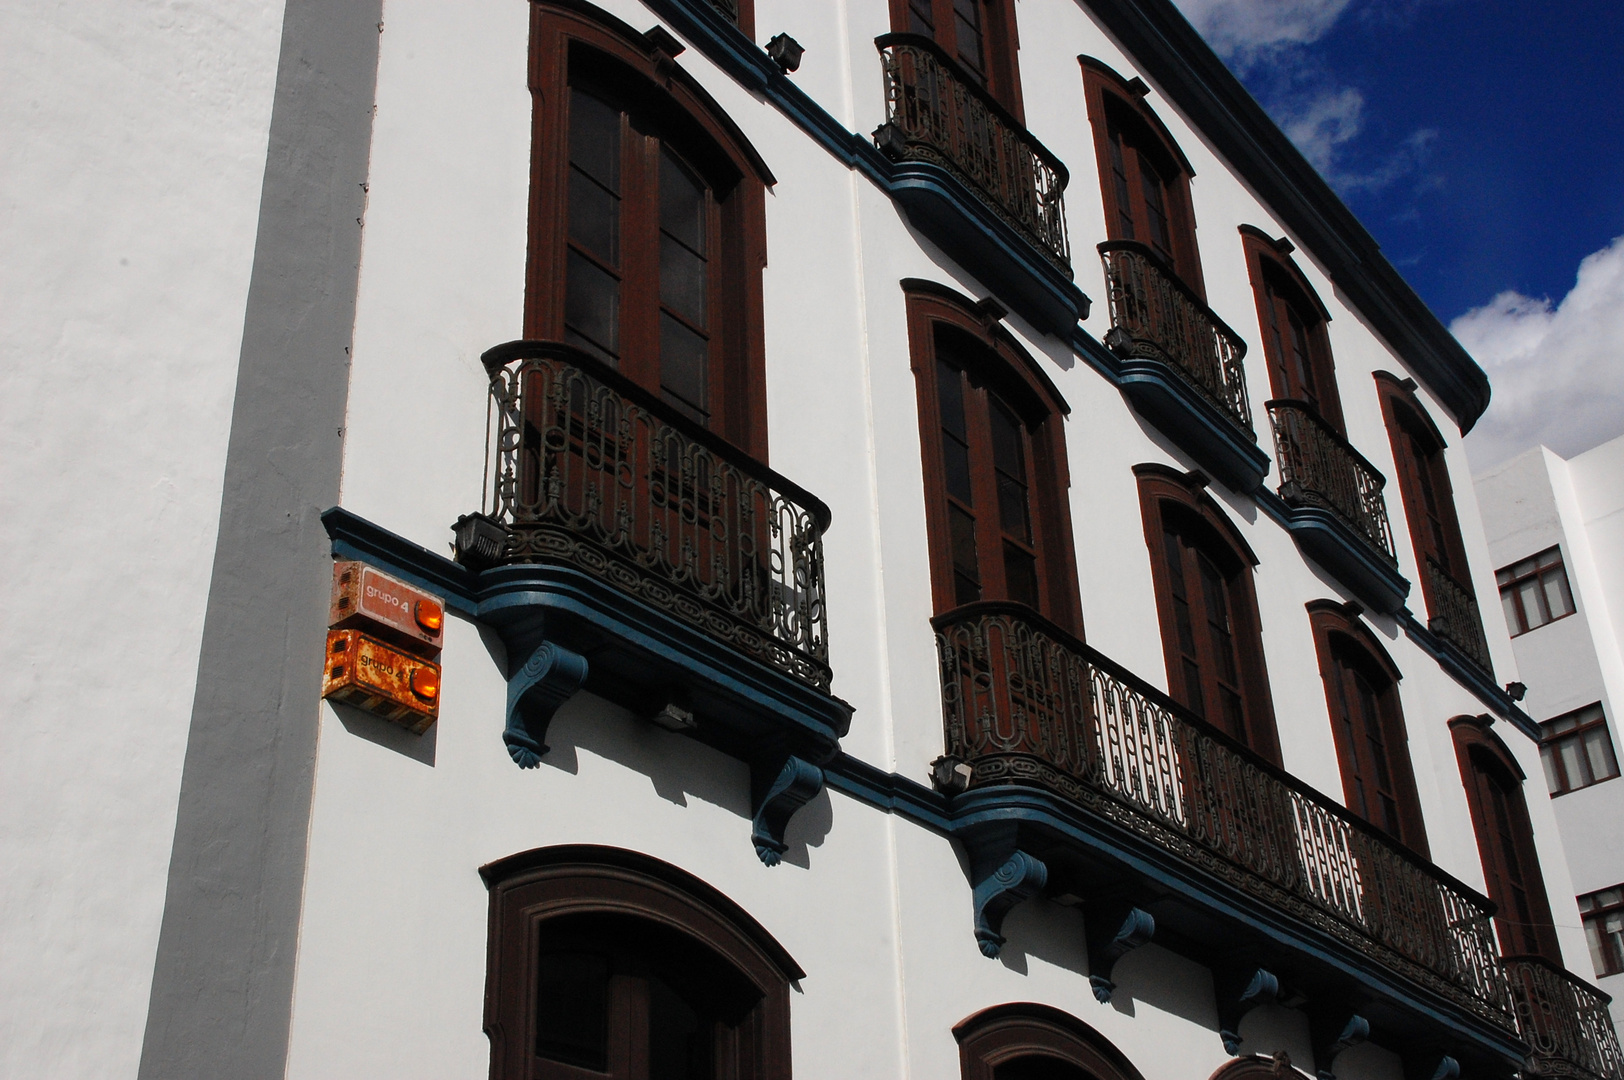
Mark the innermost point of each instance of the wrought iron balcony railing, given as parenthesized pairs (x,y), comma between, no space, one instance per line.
(728,9)
(1025,702)
(1155,315)
(1454,615)
(1318,467)
(1564,1020)
(935,112)
(590,470)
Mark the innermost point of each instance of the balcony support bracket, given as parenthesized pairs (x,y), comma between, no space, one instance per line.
(1238,994)
(1431,1067)
(1119,932)
(1333,1033)
(779,793)
(1019,877)
(548,678)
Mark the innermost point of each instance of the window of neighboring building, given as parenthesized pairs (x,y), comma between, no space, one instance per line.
(608,963)
(1372,746)
(1535,591)
(978,34)
(1211,635)
(1577,750)
(1022,1041)
(995,461)
(1505,841)
(1603,914)
(1293,321)
(647,223)
(1144,177)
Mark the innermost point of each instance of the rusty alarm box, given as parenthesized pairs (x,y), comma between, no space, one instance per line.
(382,643)
(370,675)
(368,599)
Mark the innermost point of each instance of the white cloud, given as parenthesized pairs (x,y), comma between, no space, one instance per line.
(1324,122)
(1557,369)
(1242,29)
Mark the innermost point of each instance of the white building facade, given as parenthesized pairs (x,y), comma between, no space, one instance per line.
(918,603)
(1555,533)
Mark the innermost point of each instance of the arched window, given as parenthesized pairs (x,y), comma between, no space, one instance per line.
(1292,320)
(1256,1067)
(1211,633)
(1429,507)
(603,962)
(1036,1042)
(995,461)
(1144,176)
(1367,723)
(979,34)
(1505,840)
(647,221)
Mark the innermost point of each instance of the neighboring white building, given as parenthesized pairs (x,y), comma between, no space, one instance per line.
(737,770)
(1556,533)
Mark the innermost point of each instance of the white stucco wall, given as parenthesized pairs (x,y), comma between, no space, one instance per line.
(135,139)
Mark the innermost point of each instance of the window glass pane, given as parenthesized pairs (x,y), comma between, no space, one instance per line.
(679,1041)
(1558,600)
(955,443)
(684,357)
(966,571)
(1612,940)
(1528,593)
(1553,781)
(968,30)
(595,139)
(572,1009)
(921,19)
(1573,763)
(594,217)
(682,203)
(1021,576)
(1599,751)
(592,308)
(1508,600)
(1009,461)
(682,281)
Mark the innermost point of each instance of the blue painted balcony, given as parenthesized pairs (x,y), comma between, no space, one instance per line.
(1180,364)
(1075,779)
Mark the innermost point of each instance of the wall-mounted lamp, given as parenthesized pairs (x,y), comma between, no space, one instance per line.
(479,541)
(786,52)
(1516,691)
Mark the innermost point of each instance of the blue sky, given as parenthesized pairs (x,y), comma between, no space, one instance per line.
(1482,143)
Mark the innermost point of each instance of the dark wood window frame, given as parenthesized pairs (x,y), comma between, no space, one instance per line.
(550,889)
(1348,653)
(966,29)
(999,374)
(741,13)
(1292,323)
(1178,513)
(664,113)
(1123,122)
(1597,757)
(1602,913)
(994,1043)
(1424,484)
(1508,578)
(1505,840)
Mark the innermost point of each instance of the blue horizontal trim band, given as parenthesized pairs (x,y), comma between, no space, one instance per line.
(1469,675)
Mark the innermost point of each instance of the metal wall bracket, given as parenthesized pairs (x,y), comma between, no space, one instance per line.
(1113,932)
(1019,878)
(791,787)
(1238,995)
(550,677)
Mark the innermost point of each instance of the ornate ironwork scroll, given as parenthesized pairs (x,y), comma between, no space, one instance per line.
(935,112)
(1455,617)
(1318,467)
(591,470)
(1155,315)
(1564,1020)
(1025,702)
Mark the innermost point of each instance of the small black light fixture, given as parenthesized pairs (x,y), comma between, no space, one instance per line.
(891,141)
(479,541)
(1516,691)
(786,52)
(949,775)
